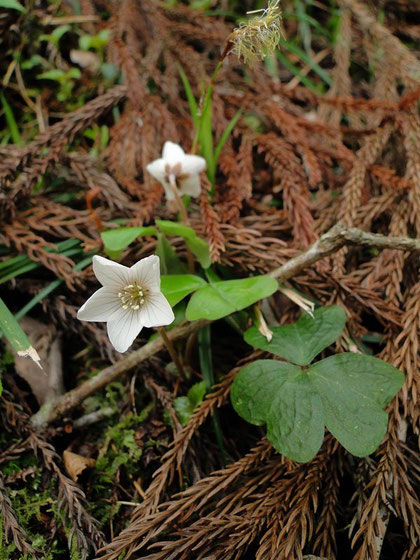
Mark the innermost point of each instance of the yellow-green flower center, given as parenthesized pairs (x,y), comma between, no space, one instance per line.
(132,296)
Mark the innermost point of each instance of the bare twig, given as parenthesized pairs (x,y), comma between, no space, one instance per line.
(70,400)
(336,238)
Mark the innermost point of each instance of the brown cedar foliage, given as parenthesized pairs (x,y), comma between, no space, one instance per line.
(261,499)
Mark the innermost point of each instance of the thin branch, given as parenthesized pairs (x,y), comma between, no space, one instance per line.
(62,405)
(336,238)
(326,245)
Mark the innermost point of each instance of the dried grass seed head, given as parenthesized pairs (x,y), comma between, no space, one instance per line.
(259,37)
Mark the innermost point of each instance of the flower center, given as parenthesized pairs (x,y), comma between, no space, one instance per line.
(132,296)
(176,171)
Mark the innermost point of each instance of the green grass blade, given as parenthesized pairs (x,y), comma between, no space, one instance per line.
(206,135)
(206,365)
(16,266)
(48,289)
(12,5)
(226,134)
(304,28)
(308,60)
(15,335)
(190,96)
(315,88)
(11,121)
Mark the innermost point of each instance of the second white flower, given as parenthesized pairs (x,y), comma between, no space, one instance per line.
(184,169)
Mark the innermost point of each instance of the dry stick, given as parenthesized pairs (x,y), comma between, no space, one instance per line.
(336,238)
(326,245)
(62,405)
(171,350)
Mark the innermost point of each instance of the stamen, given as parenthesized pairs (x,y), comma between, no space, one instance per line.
(132,296)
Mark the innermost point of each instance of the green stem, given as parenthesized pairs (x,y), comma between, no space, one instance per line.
(206,365)
(171,350)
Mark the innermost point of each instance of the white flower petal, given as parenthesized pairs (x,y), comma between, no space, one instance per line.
(172,153)
(147,273)
(156,312)
(101,306)
(124,329)
(193,164)
(191,185)
(110,273)
(157,169)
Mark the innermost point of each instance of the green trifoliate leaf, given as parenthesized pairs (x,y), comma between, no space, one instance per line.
(301,342)
(354,390)
(280,395)
(178,286)
(347,393)
(220,299)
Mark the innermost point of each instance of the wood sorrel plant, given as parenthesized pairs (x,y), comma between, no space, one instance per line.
(296,398)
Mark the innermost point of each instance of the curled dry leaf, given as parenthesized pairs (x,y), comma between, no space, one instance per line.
(85,59)
(75,464)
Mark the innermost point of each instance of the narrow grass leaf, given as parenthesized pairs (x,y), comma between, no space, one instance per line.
(225,135)
(12,5)
(190,96)
(11,121)
(15,335)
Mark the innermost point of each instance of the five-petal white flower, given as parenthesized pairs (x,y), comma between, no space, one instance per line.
(184,168)
(130,299)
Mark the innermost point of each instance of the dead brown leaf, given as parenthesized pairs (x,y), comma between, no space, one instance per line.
(75,464)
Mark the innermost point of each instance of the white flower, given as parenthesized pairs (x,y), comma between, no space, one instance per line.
(184,168)
(130,299)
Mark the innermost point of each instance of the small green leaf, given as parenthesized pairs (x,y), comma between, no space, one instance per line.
(354,390)
(178,286)
(200,249)
(301,342)
(280,395)
(55,74)
(170,263)
(197,246)
(175,228)
(12,5)
(185,406)
(196,393)
(116,240)
(224,298)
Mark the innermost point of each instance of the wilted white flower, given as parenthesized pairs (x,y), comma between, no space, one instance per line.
(176,169)
(130,299)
